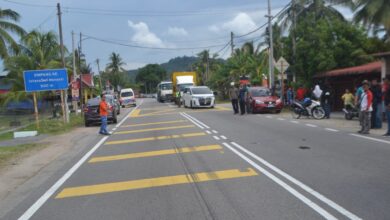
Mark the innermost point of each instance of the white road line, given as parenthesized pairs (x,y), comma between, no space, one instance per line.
(268,116)
(216,138)
(371,138)
(331,129)
(281,119)
(311,125)
(195,123)
(38,204)
(215,132)
(300,184)
(223,137)
(295,122)
(201,123)
(287,187)
(208,132)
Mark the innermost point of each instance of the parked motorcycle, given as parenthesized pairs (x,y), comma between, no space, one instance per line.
(308,108)
(351,112)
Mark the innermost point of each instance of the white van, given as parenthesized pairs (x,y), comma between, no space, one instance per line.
(127,98)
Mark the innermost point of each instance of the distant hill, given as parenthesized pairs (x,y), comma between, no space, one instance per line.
(176,64)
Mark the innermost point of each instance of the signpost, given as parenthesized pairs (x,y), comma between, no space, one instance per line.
(282,65)
(45,80)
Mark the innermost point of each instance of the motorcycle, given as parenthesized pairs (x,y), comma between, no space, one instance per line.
(350,112)
(308,108)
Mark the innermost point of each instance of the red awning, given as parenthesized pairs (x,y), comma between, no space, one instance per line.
(373,67)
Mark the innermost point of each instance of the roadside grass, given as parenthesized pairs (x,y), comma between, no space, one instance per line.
(9,154)
(49,126)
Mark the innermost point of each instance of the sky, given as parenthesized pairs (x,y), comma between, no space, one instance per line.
(176,27)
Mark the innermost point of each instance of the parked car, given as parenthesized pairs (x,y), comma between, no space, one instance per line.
(198,96)
(127,98)
(113,100)
(91,112)
(260,99)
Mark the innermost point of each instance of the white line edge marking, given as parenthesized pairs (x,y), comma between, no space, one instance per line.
(208,132)
(268,116)
(295,122)
(294,192)
(216,138)
(38,204)
(297,182)
(203,124)
(371,138)
(281,119)
(215,132)
(195,123)
(311,125)
(331,129)
(300,184)
(223,137)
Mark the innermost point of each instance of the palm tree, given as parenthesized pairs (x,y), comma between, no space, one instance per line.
(116,63)
(8,27)
(374,14)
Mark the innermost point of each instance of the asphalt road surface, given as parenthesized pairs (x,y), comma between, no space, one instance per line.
(163,162)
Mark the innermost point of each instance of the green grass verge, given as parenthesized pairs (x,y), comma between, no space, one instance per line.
(8,154)
(6,136)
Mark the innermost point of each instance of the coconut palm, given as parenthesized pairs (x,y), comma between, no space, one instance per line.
(8,27)
(374,14)
(116,63)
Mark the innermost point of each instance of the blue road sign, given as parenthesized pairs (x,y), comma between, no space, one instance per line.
(45,80)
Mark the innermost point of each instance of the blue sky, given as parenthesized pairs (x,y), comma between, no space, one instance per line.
(163,24)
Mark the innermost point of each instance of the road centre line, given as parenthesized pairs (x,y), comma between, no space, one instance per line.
(300,184)
(208,132)
(155,123)
(154,129)
(136,140)
(281,119)
(297,183)
(38,204)
(370,138)
(215,132)
(216,138)
(155,153)
(331,129)
(295,122)
(197,124)
(223,137)
(311,125)
(284,185)
(268,116)
(201,123)
(154,182)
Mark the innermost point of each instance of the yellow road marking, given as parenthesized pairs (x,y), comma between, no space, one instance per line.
(155,153)
(154,182)
(135,113)
(154,129)
(155,138)
(155,123)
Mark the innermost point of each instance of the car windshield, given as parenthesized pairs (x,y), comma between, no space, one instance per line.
(198,91)
(183,86)
(126,94)
(167,86)
(110,98)
(260,92)
(93,102)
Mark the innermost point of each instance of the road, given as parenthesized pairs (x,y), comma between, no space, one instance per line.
(168,163)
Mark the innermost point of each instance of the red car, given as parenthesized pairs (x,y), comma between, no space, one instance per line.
(260,99)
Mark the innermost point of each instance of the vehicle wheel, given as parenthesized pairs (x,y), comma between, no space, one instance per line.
(250,109)
(212,106)
(277,111)
(348,116)
(296,112)
(185,106)
(318,113)
(191,105)
(123,106)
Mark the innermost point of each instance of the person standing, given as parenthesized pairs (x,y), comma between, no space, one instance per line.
(242,98)
(366,108)
(377,100)
(233,94)
(290,96)
(326,101)
(386,92)
(348,99)
(317,92)
(103,112)
(300,94)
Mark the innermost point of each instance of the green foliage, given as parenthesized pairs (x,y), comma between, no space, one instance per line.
(115,73)
(149,76)
(8,29)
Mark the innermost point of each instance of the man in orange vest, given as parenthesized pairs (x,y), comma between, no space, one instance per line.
(103,111)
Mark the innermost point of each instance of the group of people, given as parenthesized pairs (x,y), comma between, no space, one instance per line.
(238,96)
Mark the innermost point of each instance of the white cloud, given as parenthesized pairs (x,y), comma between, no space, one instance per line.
(143,36)
(177,32)
(242,23)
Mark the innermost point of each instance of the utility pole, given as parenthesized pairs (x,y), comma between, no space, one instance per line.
(64,94)
(100,76)
(74,73)
(271,47)
(232,42)
(294,43)
(81,74)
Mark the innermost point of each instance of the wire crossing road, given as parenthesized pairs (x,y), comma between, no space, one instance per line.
(163,162)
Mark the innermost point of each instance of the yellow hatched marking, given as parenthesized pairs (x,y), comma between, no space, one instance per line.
(155,123)
(155,153)
(135,113)
(155,138)
(154,129)
(154,182)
